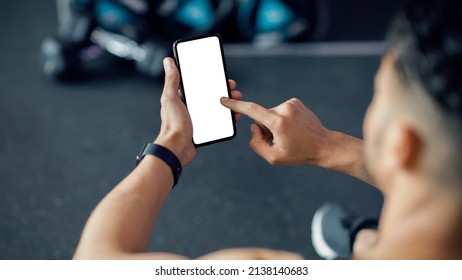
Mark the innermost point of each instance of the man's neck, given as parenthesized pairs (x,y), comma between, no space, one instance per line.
(424,220)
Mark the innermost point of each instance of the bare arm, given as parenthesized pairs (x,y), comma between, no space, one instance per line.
(121,224)
(120,227)
(291,134)
(345,154)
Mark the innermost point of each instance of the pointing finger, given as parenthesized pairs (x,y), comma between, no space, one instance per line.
(251,109)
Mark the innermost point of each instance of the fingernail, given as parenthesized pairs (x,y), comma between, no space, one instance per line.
(167,64)
(224,99)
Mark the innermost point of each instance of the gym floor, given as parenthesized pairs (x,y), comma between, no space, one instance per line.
(63,146)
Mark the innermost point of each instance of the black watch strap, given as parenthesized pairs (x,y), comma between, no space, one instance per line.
(164,154)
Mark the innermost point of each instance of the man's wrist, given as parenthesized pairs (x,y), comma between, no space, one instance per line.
(164,154)
(340,152)
(320,152)
(183,150)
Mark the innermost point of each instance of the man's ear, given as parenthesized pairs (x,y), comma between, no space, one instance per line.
(407,146)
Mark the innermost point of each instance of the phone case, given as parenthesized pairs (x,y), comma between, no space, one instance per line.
(175,44)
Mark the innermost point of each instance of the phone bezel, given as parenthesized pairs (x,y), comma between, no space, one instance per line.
(177,60)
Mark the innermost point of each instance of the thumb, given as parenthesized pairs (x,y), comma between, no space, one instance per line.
(172,77)
(259,143)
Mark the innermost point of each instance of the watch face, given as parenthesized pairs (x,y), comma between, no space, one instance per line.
(140,155)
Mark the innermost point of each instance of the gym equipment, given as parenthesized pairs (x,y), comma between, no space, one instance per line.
(142,31)
(137,30)
(270,22)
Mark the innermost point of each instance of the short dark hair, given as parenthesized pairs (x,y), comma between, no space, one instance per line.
(425,40)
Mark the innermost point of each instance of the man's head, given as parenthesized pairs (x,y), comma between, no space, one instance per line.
(414,123)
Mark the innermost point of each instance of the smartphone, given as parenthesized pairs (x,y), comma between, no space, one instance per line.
(204,81)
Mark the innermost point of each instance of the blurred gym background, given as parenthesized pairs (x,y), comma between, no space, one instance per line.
(80,82)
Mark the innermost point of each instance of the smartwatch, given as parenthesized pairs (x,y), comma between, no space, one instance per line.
(165,155)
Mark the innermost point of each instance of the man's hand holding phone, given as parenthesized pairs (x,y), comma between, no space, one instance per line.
(176,129)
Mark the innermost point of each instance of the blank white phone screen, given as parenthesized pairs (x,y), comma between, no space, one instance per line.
(204,83)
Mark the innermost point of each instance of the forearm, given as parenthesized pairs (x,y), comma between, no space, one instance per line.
(121,225)
(123,221)
(344,153)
